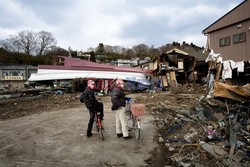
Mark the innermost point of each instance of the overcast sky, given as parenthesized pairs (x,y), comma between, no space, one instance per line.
(85,23)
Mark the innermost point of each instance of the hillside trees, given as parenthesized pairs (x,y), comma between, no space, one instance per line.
(29,42)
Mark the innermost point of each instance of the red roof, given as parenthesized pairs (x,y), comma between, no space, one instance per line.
(78,64)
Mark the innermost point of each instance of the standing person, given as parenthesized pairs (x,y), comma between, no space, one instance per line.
(88,97)
(118,105)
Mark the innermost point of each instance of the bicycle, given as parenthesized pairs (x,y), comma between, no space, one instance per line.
(99,126)
(137,110)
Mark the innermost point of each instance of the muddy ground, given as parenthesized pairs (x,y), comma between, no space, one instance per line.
(18,107)
(52,133)
(49,130)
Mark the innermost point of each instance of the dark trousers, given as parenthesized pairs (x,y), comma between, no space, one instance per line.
(97,108)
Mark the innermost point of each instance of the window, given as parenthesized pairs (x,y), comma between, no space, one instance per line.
(5,74)
(224,41)
(13,73)
(237,38)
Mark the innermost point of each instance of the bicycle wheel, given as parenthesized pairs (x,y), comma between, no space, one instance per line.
(96,123)
(97,128)
(137,129)
(101,133)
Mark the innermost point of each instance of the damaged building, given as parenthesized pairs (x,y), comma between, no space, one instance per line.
(177,65)
(229,37)
(185,66)
(15,76)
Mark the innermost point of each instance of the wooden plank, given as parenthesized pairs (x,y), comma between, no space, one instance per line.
(217,77)
(173,79)
(168,79)
(164,81)
(172,75)
(155,64)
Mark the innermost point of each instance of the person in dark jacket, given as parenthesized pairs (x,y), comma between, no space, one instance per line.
(88,97)
(118,105)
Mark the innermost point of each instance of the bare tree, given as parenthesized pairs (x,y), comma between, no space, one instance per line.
(27,40)
(11,44)
(6,45)
(45,42)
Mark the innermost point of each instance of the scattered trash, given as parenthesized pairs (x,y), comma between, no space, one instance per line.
(167,144)
(196,130)
(210,131)
(209,148)
(220,151)
(239,155)
(171,148)
(189,136)
(161,140)
(59,92)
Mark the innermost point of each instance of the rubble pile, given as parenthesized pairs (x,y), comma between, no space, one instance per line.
(190,88)
(192,132)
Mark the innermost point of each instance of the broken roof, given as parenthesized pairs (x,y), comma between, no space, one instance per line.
(175,50)
(237,14)
(198,54)
(79,64)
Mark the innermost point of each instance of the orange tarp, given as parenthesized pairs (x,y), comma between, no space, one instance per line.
(238,93)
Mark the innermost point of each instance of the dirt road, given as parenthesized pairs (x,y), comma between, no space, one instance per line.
(57,138)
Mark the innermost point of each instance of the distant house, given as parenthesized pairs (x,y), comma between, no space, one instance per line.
(132,62)
(101,56)
(82,55)
(152,65)
(15,76)
(145,60)
(124,62)
(149,65)
(230,34)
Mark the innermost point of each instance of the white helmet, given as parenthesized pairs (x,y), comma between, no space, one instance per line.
(91,84)
(119,83)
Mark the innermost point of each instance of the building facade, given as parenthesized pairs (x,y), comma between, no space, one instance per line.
(230,35)
(15,76)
